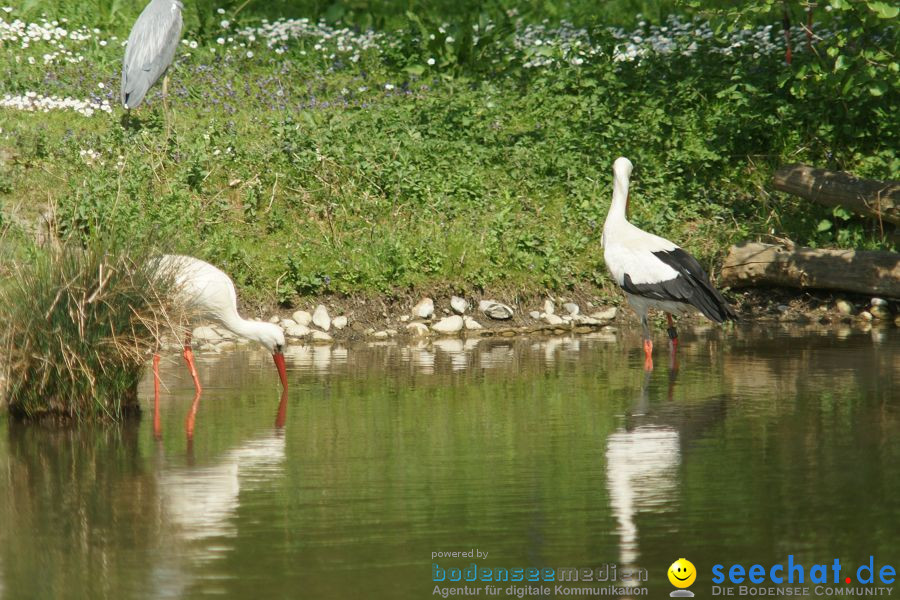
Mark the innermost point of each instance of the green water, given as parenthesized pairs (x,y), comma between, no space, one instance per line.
(544,453)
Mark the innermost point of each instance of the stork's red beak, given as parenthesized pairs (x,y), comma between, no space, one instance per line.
(282,369)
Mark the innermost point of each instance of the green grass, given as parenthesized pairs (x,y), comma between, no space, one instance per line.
(300,173)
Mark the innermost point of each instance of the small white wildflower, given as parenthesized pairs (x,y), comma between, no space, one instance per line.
(192,45)
(430,61)
(450,39)
(101,85)
(249,53)
(220,41)
(224,24)
(389,86)
(221,11)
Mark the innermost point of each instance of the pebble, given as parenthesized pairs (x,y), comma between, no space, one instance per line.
(320,337)
(339,322)
(571,308)
(404,318)
(880,312)
(459,305)
(844,307)
(274,319)
(495,310)
(866,315)
(605,314)
(472,324)
(297,331)
(553,319)
(381,335)
(449,324)
(285,323)
(205,334)
(549,307)
(424,309)
(301,317)
(879,302)
(417,329)
(321,319)
(782,308)
(534,314)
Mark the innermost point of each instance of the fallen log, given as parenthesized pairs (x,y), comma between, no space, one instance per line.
(869,197)
(863,272)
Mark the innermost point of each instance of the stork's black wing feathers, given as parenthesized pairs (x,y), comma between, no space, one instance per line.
(690,286)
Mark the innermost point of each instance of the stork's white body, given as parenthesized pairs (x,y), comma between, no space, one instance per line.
(209,294)
(653,272)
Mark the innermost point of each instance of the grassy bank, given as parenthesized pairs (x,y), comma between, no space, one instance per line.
(473,152)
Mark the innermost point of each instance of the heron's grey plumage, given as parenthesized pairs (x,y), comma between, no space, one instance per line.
(150,49)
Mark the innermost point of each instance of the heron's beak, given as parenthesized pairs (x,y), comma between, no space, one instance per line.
(282,369)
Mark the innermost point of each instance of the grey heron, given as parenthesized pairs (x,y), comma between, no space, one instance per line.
(150,50)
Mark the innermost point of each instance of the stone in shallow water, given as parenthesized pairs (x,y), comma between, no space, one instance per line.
(296,331)
(472,324)
(449,324)
(205,334)
(301,317)
(320,337)
(605,314)
(495,310)
(321,319)
(553,319)
(339,322)
(417,329)
(844,307)
(571,308)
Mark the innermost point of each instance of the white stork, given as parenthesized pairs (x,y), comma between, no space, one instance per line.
(208,294)
(652,271)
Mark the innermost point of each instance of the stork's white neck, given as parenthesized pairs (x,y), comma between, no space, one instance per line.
(252,330)
(621,175)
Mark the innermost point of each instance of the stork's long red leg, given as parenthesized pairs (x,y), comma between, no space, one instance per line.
(157,428)
(189,359)
(192,415)
(648,355)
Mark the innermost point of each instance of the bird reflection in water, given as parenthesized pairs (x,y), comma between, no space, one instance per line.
(645,456)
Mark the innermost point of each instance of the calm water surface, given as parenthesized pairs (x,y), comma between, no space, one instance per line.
(547,453)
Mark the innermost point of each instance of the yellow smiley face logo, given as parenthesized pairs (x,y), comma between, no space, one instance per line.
(682,573)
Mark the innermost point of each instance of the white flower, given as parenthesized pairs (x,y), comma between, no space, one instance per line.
(224,24)
(220,41)
(101,85)
(221,11)
(193,44)
(430,61)
(249,53)
(389,86)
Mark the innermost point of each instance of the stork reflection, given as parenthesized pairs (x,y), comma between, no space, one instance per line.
(644,458)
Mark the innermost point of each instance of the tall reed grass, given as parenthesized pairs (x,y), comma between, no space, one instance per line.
(78,327)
